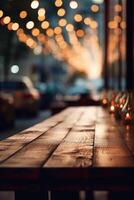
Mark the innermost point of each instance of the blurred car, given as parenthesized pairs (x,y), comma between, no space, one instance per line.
(7,114)
(48,91)
(46,95)
(26,97)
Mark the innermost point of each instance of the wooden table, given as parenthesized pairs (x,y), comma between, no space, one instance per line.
(81,148)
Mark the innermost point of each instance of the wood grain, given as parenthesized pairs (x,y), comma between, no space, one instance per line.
(79,148)
(110,149)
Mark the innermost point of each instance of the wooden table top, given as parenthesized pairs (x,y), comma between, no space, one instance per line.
(80,143)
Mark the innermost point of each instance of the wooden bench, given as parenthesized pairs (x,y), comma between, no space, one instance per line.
(81,148)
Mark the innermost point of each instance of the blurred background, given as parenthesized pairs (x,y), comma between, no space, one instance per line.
(62,53)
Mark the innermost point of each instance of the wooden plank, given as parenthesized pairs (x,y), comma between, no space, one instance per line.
(75,151)
(110,149)
(128,136)
(35,153)
(11,145)
(26,153)
(88,117)
(69,165)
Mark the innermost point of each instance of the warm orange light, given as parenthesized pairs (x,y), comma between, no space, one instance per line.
(94,8)
(128,119)
(63,45)
(6,20)
(80,33)
(78,18)
(22,37)
(58,3)
(1,13)
(45,25)
(87,21)
(30,25)
(29,42)
(19,31)
(117,18)
(121,105)
(127,116)
(117,31)
(112,24)
(35,32)
(118,8)
(41,12)
(23,14)
(59,38)
(112,108)
(50,32)
(62,22)
(104,101)
(9,26)
(69,27)
(42,38)
(123,25)
(15,26)
(41,18)
(61,12)
(94,24)
(57,30)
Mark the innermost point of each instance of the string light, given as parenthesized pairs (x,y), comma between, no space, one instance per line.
(19,31)
(41,18)
(69,27)
(118,8)
(61,12)
(78,18)
(94,8)
(123,25)
(50,32)
(73,4)
(41,12)
(62,22)
(9,26)
(45,25)
(57,30)
(35,32)
(87,21)
(23,14)
(94,24)
(1,13)
(112,24)
(30,25)
(80,33)
(37,50)
(117,18)
(15,26)
(6,20)
(34,4)
(53,40)
(58,3)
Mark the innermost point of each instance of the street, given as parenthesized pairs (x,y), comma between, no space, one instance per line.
(23,123)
